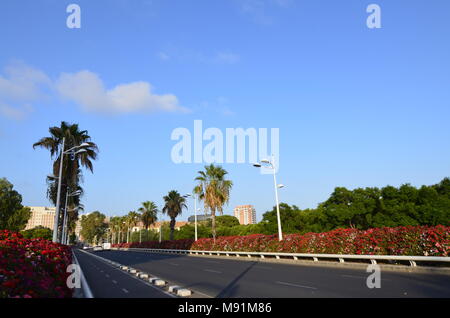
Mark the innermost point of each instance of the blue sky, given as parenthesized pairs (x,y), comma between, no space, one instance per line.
(356,107)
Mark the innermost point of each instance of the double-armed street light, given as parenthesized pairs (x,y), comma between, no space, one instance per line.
(271,165)
(73,152)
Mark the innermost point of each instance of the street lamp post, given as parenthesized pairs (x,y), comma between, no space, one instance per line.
(195,211)
(272,166)
(58,195)
(64,230)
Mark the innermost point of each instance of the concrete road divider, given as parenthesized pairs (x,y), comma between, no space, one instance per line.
(184,292)
(173,288)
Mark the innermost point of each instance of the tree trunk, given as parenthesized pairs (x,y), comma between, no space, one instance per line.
(172,227)
(213,224)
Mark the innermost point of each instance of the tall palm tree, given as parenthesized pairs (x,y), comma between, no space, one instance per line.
(131,221)
(214,190)
(174,204)
(114,225)
(72,173)
(122,227)
(149,213)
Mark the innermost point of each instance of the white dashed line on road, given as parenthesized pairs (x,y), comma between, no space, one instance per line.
(125,291)
(295,285)
(114,282)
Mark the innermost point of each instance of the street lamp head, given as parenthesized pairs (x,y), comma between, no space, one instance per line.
(281,186)
(257,165)
(265,161)
(80,151)
(51,176)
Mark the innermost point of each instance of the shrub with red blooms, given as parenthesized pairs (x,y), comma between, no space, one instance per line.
(33,268)
(403,240)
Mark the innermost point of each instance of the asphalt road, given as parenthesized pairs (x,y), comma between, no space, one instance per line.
(230,278)
(105,281)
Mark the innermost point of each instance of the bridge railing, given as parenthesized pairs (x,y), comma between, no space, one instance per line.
(296,256)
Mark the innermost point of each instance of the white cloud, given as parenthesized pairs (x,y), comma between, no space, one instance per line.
(22,85)
(19,86)
(87,89)
(17,113)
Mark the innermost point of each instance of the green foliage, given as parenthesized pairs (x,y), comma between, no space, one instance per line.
(38,232)
(145,235)
(188,231)
(13,216)
(367,208)
(93,226)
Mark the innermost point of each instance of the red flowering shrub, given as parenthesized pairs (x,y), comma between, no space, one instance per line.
(403,240)
(32,267)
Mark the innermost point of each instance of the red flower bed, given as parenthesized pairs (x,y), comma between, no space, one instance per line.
(33,268)
(403,240)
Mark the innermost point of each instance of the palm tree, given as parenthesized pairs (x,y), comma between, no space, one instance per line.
(131,220)
(174,204)
(214,190)
(114,225)
(72,173)
(149,213)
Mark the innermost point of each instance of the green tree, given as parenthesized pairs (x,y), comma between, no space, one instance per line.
(226,221)
(13,215)
(289,220)
(93,226)
(131,220)
(149,213)
(72,173)
(174,204)
(38,232)
(214,190)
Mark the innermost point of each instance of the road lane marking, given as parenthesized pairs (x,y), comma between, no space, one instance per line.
(295,285)
(114,281)
(125,291)
(212,271)
(107,275)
